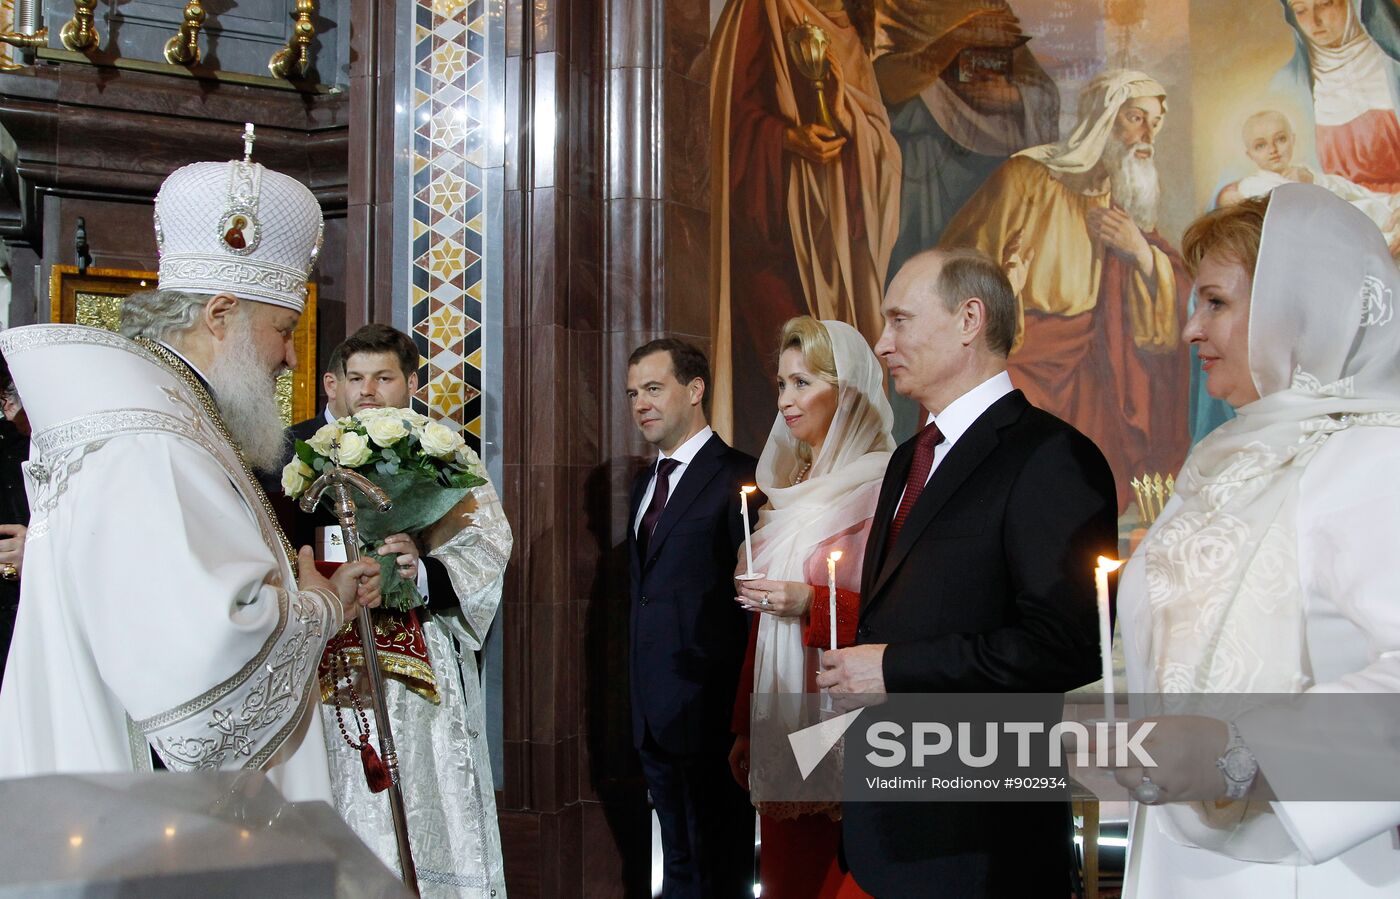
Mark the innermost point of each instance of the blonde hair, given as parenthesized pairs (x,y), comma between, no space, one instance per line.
(810,337)
(1232,232)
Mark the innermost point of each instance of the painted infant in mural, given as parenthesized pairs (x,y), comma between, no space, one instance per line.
(964,92)
(1269,141)
(1104,296)
(805,190)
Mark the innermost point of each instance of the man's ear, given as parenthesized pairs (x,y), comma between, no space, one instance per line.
(331,384)
(218,314)
(697,391)
(412,383)
(972,319)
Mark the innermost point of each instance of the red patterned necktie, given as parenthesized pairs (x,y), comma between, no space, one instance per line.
(928,438)
(659,493)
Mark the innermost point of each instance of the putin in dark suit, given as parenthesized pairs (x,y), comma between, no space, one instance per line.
(688,635)
(978,577)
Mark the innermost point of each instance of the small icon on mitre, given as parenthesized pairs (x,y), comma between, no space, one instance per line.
(240,231)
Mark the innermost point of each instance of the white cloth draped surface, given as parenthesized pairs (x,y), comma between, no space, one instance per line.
(444,761)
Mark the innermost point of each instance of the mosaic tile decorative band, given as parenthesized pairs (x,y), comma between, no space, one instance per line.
(450,78)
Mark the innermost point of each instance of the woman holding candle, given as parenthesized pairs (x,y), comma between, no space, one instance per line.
(1273,568)
(821,471)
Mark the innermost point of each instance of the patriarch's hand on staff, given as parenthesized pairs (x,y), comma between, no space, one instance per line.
(402,546)
(12,547)
(1184,747)
(354,583)
(786,599)
(855,669)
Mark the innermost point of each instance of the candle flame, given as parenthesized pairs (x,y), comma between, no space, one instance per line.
(1107,564)
(835,556)
(747,489)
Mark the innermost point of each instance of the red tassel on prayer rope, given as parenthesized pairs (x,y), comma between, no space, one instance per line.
(376,775)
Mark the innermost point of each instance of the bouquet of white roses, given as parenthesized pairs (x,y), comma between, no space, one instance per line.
(425,467)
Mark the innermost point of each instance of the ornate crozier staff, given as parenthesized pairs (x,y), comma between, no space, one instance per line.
(338,481)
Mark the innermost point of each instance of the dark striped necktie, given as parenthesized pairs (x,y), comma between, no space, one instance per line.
(928,438)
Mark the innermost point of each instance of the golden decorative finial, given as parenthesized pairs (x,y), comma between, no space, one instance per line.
(1151,491)
(183,48)
(296,56)
(79,34)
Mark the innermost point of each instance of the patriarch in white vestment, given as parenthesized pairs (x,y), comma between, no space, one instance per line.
(164,614)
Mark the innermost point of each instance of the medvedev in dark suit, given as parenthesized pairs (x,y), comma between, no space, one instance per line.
(688,634)
(987,587)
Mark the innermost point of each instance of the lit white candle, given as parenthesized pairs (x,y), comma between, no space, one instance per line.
(744,513)
(1105,631)
(831,589)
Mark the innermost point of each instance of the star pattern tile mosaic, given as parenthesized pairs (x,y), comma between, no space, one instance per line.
(449,75)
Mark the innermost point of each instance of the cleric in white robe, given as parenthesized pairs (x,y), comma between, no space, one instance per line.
(162,609)
(1274,569)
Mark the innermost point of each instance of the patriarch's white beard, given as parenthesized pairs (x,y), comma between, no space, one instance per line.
(247,398)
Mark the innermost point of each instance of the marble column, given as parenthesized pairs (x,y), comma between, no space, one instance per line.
(597,117)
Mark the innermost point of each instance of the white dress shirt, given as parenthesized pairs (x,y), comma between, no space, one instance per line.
(962,412)
(684,454)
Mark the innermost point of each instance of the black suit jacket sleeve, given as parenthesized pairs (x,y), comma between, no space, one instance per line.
(1059,517)
(442,597)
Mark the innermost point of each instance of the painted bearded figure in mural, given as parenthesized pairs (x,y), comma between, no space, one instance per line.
(805,212)
(1104,295)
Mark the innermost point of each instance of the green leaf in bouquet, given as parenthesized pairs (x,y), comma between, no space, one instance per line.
(418,502)
(305,453)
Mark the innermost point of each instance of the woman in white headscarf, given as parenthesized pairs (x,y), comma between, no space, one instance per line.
(821,470)
(1274,568)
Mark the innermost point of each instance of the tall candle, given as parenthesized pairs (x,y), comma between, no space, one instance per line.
(744,513)
(1105,631)
(831,589)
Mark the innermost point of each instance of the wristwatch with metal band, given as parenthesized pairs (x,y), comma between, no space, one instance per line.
(1238,765)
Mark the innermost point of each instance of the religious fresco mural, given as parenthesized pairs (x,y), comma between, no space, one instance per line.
(1071,141)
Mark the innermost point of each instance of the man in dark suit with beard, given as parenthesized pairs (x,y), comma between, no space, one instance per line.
(688,635)
(978,577)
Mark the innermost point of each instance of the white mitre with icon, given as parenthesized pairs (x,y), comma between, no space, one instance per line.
(238,228)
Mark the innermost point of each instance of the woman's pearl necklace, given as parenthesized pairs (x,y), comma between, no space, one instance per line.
(802,475)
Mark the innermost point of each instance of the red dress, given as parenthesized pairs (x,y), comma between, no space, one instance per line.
(798,857)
